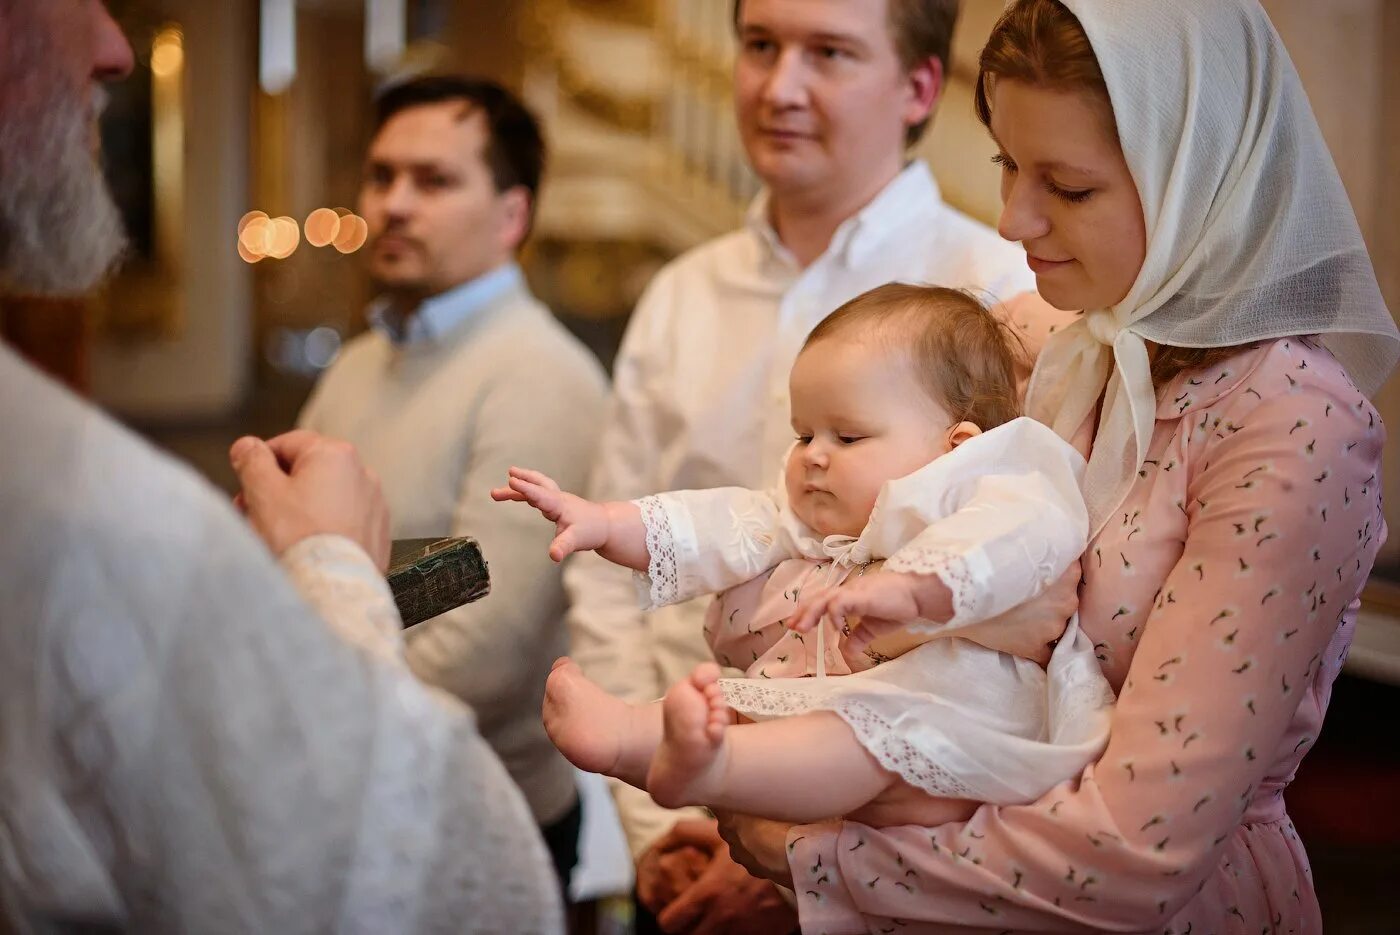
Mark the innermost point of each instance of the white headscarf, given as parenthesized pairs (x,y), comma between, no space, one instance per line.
(1250,235)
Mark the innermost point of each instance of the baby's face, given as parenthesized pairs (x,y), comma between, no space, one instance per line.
(862,419)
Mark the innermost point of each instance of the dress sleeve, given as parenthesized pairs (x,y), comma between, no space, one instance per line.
(705,541)
(1283,526)
(1012,532)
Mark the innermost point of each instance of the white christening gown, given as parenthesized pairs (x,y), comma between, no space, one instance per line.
(998,519)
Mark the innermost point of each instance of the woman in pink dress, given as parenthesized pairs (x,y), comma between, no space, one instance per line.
(1164,172)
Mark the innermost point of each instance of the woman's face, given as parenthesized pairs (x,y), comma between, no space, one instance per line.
(1067,194)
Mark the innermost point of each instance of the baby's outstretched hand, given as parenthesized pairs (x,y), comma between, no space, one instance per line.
(579,524)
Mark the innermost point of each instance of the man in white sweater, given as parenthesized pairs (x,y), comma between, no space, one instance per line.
(828,98)
(201,731)
(463,374)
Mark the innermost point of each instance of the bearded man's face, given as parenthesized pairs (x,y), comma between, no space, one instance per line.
(60,232)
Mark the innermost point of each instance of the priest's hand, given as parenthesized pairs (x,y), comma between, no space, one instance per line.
(303,484)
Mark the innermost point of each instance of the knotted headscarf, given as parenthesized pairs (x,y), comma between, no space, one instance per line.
(1250,235)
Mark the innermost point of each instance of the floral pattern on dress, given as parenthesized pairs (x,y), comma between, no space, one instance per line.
(746,627)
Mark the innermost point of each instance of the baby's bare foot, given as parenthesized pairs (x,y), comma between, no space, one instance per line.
(688,767)
(595,731)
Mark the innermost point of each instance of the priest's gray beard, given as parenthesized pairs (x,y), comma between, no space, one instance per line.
(60,232)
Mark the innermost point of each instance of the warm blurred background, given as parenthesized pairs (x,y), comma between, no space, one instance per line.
(235,153)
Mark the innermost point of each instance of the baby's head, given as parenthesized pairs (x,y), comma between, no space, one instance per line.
(888,382)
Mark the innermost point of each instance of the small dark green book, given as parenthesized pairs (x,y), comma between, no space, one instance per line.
(432,576)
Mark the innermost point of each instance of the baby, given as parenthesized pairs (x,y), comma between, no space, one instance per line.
(908,451)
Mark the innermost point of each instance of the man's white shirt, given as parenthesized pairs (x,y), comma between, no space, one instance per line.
(700,399)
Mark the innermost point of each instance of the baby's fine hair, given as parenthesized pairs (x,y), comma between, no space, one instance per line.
(965,357)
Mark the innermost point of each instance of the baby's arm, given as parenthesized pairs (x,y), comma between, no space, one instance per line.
(688,542)
(706,541)
(874,643)
(876,611)
(1012,534)
(613,529)
(1028,630)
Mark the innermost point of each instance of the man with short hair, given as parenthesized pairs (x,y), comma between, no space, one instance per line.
(829,94)
(201,731)
(462,375)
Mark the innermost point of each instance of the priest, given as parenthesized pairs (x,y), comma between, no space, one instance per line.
(206,722)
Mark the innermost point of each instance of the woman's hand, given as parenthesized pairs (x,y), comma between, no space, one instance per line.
(1032,629)
(759,845)
(579,525)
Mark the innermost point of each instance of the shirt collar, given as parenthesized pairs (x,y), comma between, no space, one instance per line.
(913,193)
(439,316)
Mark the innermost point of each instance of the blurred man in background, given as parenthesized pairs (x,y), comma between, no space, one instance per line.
(192,738)
(463,374)
(829,96)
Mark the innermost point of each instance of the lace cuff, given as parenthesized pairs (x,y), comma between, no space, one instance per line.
(953,569)
(659,586)
(338,580)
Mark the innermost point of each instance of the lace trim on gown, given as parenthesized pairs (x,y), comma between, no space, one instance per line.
(950,567)
(881,739)
(660,585)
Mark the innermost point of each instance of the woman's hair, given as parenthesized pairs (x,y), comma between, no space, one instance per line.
(1040,42)
(964,356)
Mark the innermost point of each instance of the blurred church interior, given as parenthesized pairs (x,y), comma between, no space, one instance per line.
(235,148)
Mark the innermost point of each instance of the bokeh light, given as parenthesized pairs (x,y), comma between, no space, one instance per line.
(353,233)
(247,255)
(283,238)
(254,237)
(249,218)
(267,238)
(167,53)
(322,346)
(322,227)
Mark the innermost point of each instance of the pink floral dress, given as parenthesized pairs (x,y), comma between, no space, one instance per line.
(1221,601)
